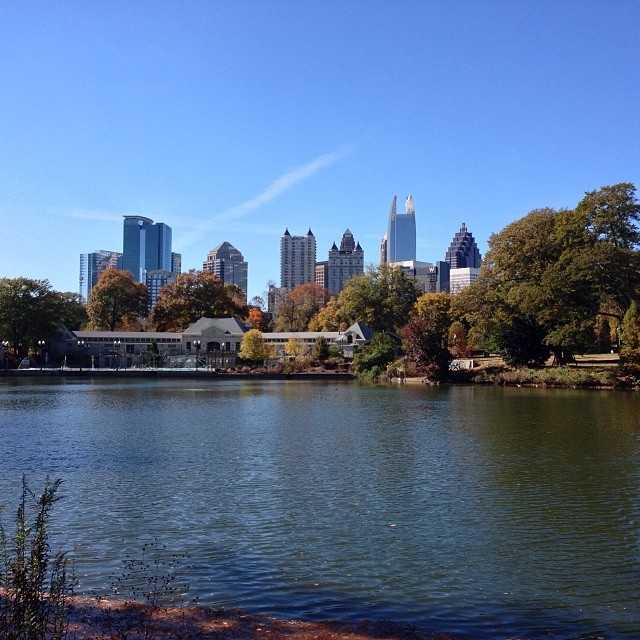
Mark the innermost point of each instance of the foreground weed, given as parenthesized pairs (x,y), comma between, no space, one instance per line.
(36,586)
(147,586)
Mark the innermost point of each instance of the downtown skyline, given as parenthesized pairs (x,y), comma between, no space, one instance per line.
(233,121)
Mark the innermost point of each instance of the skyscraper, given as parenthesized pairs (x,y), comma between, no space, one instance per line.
(345,262)
(297,260)
(92,265)
(463,251)
(464,259)
(226,262)
(146,246)
(401,234)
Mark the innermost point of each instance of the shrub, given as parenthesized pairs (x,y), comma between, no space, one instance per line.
(37,587)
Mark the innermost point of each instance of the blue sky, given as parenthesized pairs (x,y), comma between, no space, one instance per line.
(233,120)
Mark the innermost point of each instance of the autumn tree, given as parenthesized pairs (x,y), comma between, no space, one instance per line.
(257,318)
(294,309)
(116,300)
(426,335)
(329,318)
(295,348)
(382,298)
(194,295)
(630,349)
(253,347)
(30,310)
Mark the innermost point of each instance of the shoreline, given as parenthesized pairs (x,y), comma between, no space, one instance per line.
(104,619)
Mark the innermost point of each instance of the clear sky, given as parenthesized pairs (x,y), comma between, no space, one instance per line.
(233,120)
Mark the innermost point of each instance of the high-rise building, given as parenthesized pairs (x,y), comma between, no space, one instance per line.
(322,273)
(155,279)
(431,278)
(297,260)
(400,244)
(463,251)
(146,246)
(92,265)
(344,263)
(226,262)
(176,262)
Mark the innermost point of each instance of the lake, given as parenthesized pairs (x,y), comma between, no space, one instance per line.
(481,511)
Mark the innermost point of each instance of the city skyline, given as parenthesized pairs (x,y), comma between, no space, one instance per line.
(232,121)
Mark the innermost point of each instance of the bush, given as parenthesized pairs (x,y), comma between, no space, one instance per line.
(37,587)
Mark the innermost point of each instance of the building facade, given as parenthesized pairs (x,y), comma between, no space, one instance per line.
(431,278)
(146,246)
(344,263)
(399,245)
(226,262)
(156,279)
(462,278)
(463,251)
(91,266)
(297,260)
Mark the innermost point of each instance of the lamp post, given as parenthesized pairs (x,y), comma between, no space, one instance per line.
(197,344)
(41,344)
(116,348)
(5,349)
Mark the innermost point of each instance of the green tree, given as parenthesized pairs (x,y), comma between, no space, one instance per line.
(194,295)
(382,298)
(372,358)
(30,310)
(253,347)
(73,314)
(320,350)
(115,300)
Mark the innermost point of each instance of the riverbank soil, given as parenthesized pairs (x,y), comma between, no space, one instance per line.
(107,620)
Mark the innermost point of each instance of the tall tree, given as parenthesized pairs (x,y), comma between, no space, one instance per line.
(116,300)
(294,309)
(382,298)
(194,295)
(73,312)
(30,310)
(425,336)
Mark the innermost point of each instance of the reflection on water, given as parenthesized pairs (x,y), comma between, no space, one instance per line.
(482,511)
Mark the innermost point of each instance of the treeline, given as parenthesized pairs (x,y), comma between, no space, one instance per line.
(555,282)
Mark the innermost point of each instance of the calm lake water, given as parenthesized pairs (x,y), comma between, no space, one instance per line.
(481,511)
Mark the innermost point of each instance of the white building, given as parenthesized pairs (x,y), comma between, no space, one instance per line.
(297,260)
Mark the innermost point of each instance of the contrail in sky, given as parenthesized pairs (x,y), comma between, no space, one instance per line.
(277,187)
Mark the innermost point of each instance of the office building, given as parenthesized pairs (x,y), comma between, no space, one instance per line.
(297,260)
(431,278)
(461,278)
(463,251)
(155,279)
(344,263)
(91,266)
(226,262)
(322,273)
(146,246)
(399,244)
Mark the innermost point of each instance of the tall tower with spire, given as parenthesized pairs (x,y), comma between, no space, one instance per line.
(400,245)
(344,263)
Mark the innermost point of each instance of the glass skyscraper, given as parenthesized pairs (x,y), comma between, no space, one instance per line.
(226,262)
(400,245)
(146,246)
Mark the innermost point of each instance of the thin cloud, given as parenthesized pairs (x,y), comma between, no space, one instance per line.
(89,214)
(275,189)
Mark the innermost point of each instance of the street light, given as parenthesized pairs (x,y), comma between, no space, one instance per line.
(116,347)
(41,344)
(5,349)
(196,344)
